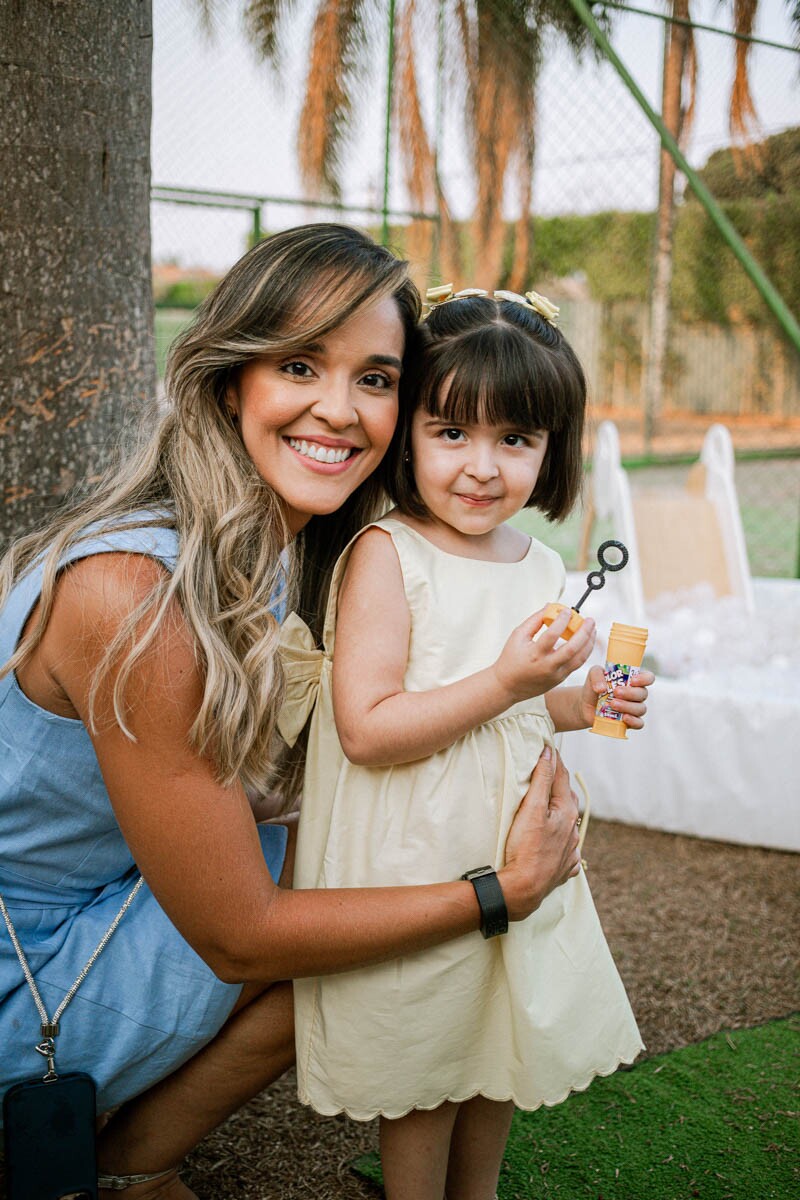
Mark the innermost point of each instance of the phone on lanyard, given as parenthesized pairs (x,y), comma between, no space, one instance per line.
(49,1136)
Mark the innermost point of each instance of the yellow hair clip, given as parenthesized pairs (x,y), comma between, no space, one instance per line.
(544,307)
(438,295)
(539,304)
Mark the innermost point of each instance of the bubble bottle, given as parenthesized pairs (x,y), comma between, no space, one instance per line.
(626,643)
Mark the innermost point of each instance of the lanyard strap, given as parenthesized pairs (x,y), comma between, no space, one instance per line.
(50,1029)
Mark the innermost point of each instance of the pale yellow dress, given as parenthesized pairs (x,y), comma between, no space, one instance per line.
(527,1016)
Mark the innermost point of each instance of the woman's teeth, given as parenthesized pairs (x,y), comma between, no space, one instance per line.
(326,454)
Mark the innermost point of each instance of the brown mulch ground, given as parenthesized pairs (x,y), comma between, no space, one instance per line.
(705,936)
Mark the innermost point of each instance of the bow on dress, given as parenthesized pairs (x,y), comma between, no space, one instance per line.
(302,662)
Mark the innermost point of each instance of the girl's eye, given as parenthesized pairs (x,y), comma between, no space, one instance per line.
(299,370)
(515,439)
(451,435)
(376,379)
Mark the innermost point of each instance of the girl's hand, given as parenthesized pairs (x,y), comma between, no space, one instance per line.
(630,699)
(528,668)
(542,843)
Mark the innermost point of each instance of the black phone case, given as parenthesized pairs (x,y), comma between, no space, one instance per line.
(49,1131)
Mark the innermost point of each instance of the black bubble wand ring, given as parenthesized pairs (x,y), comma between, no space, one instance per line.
(594,581)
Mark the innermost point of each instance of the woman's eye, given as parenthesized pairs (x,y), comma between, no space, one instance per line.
(299,370)
(375,379)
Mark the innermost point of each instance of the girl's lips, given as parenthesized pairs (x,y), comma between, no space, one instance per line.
(477,501)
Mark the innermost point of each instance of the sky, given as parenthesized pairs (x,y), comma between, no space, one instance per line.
(223,120)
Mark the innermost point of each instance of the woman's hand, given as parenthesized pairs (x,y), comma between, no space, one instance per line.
(629,699)
(542,843)
(528,668)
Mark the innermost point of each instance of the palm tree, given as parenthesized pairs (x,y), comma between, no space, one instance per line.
(76,344)
(499,46)
(678,94)
(678,90)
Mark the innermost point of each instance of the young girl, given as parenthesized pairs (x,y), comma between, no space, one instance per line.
(442,697)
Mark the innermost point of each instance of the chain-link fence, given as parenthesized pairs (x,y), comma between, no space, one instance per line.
(223,119)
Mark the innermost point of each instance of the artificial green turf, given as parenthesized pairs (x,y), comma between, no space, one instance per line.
(718,1121)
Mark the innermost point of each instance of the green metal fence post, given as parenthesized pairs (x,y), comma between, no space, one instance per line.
(768,292)
(256,225)
(388,141)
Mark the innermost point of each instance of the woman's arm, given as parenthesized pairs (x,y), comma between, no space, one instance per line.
(377,721)
(195,841)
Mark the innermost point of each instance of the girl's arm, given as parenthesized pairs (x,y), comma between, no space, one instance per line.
(195,841)
(377,721)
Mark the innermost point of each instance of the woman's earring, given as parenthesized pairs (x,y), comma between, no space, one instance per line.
(407,456)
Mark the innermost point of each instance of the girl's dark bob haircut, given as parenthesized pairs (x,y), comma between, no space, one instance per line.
(488,361)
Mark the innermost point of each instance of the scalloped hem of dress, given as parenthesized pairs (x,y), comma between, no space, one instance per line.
(595,1073)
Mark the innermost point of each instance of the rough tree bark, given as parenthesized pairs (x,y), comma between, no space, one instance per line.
(76,321)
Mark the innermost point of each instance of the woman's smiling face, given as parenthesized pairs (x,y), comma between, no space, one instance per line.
(317,422)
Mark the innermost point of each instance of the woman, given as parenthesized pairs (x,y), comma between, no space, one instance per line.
(138,706)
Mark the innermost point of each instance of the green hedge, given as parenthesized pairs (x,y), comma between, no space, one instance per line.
(185,293)
(613,251)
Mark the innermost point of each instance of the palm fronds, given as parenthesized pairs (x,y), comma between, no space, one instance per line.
(744,122)
(420,167)
(262,19)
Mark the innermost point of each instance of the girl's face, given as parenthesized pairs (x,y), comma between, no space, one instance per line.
(473,477)
(317,422)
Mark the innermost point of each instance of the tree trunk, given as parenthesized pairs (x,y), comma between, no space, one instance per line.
(676,45)
(76,319)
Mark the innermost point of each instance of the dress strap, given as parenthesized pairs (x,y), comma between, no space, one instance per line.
(142,532)
(302,660)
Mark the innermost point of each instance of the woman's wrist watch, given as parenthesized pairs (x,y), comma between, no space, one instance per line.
(494,914)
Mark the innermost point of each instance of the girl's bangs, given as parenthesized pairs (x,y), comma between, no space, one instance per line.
(495,382)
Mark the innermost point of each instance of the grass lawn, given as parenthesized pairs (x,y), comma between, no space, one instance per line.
(168,323)
(717,1120)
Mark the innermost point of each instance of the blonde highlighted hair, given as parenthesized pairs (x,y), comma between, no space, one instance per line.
(194,474)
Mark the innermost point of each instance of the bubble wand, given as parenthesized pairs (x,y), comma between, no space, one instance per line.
(594,581)
(626,643)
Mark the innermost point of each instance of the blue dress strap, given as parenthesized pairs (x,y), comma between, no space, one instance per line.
(134,534)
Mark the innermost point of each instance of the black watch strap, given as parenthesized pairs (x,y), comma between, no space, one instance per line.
(494,914)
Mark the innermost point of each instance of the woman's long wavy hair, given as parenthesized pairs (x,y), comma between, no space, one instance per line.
(194,474)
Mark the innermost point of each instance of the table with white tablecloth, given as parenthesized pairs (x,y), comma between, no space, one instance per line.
(720,753)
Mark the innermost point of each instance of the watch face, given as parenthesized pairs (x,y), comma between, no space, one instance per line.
(476,874)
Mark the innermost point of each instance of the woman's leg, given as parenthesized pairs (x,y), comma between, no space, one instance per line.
(476,1148)
(158,1128)
(414,1152)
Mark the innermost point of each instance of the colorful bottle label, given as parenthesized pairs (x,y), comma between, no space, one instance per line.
(617,674)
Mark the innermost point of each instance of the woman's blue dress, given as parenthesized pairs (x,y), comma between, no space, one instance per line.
(149,1002)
